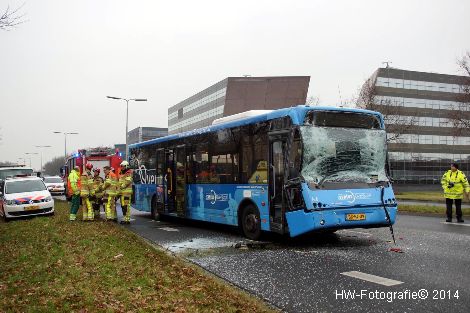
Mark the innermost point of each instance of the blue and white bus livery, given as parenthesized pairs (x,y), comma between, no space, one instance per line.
(292,170)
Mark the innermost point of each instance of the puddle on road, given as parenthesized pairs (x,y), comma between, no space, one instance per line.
(169,229)
(199,244)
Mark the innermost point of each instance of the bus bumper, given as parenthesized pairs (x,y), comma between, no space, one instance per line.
(301,221)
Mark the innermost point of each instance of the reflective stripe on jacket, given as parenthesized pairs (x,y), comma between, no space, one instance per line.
(125,183)
(460,184)
(73,183)
(97,182)
(86,187)
(110,184)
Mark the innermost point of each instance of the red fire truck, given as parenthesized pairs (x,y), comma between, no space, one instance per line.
(99,157)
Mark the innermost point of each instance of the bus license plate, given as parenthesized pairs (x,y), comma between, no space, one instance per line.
(355,217)
(32,207)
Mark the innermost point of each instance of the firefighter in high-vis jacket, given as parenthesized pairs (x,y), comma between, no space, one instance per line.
(454,183)
(86,191)
(110,189)
(73,190)
(97,199)
(125,187)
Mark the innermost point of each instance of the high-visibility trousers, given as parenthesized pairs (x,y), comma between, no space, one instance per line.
(111,208)
(87,209)
(126,207)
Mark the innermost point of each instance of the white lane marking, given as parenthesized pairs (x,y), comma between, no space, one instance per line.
(373,278)
(169,229)
(458,224)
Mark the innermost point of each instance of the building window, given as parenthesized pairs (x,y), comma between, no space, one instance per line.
(180,113)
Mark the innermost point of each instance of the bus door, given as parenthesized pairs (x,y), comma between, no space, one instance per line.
(169,181)
(180,180)
(277,161)
(160,180)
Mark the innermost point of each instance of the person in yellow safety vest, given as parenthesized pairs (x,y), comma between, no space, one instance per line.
(109,188)
(125,186)
(73,188)
(97,199)
(86,191)
(454,183)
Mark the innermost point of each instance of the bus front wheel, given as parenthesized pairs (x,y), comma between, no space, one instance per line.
(251,222)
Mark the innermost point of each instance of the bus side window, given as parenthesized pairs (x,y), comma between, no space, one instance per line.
(189,166)
(260,176)
(160,166)
(254,153)
(201,164)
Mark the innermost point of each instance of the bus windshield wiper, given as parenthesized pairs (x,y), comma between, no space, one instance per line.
(382,192)
(380,183)
(323,180)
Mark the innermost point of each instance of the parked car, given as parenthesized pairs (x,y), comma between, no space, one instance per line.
(12,171)
(54,184)
(25,196)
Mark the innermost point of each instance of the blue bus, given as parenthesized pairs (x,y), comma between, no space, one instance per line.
(289,171)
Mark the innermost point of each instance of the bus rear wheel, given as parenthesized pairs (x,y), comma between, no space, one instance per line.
(251,222)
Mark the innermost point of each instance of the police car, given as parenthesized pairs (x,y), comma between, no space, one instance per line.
(25,196)
(54,184)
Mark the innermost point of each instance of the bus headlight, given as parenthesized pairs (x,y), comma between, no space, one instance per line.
(10,202)
(48,199)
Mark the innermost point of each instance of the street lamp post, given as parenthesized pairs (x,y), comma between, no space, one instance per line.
(41,155)
(65,138)
(31,153)
(127,118)
(24,161)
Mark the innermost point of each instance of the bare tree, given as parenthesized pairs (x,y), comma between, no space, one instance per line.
(11,18)
(397,124)
(313,101)
(53,167)
(7,163)
(460,116)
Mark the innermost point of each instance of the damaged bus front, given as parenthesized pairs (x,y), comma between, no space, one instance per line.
(341,179)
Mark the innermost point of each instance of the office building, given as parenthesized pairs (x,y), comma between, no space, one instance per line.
(140,134)
(417,107)
(234,95)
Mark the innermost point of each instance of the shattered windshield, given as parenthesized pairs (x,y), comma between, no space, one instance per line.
(333,154)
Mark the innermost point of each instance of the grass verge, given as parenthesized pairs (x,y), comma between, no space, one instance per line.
(49,264)
(430,209)
(436,196)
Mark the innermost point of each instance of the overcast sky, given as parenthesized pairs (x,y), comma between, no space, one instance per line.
(59,66)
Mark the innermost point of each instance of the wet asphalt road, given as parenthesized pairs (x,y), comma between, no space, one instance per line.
(304,274)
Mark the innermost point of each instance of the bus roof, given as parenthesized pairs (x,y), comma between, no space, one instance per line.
(297,114)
